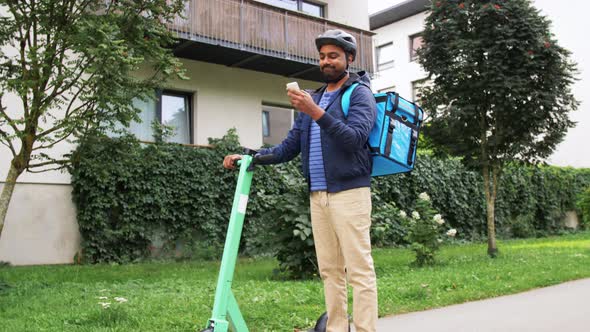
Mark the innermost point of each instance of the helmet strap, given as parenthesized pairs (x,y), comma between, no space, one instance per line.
(337,79)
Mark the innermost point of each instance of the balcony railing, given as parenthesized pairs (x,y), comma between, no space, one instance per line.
(263,29)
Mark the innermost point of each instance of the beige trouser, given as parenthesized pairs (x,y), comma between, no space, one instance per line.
(341,223)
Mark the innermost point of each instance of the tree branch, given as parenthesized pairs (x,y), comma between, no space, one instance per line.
(7,142)
(9,120)
(62,125)
(75,80)
(48,169)
(62,162)
(64,136)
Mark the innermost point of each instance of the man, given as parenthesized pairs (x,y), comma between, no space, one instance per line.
(337,166)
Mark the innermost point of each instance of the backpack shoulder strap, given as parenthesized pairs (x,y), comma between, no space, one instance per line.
(346,99)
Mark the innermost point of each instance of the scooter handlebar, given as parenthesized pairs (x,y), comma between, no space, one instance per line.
(264,158)
(256,160)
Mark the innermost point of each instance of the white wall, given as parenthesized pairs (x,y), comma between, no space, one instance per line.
(40,226)
(227,97)
(404,72)
(15,110)
(350,12)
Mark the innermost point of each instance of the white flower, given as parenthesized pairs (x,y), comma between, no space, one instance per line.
(439,220)
(439,240)
(120,299)
(104,304)
(416,215)
(424,197)
(102,297)
(452,232)
(403,214)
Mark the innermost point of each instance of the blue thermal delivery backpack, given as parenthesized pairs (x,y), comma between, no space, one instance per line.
(394,137)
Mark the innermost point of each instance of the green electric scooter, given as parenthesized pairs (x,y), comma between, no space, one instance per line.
(225,307)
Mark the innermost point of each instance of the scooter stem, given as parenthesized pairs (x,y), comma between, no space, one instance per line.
(225,307)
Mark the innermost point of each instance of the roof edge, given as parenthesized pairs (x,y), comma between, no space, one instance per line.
(397,13)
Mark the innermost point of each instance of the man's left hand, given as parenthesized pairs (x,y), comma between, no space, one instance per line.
(303,102)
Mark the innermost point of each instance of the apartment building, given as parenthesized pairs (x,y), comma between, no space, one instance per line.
(239,54)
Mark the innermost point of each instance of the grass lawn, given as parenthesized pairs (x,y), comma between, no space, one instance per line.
(179,296)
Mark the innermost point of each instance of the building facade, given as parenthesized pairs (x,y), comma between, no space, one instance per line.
(397,37)
(238,54)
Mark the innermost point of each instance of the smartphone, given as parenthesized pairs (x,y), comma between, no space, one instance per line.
(293,86)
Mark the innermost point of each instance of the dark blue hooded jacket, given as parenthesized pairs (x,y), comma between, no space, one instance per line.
(347,161)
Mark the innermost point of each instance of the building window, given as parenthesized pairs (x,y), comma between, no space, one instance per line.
(384,56)
(265,124)
(312,8)
(307,7)
(170,108)
(175,112)
(276,123)
(417,89)
(416,42)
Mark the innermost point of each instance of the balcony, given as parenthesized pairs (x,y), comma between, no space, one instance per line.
(252,35)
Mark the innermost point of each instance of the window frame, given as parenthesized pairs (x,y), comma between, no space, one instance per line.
(319,5)
(265,116)
(416,84)
(390,63)
(272,107)
(189,103)
(413,53)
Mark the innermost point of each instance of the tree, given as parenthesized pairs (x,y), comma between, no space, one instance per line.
(71,63)
(501,87)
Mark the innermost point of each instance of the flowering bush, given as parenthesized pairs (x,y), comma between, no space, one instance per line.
(388,227)
(424,231)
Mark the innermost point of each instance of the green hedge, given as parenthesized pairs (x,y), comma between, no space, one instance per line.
(541,195)
(130,196)
(584,207)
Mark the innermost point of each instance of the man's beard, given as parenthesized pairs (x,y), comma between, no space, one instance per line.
(332,76)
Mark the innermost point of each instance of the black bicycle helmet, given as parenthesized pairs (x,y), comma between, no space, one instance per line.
(339,38)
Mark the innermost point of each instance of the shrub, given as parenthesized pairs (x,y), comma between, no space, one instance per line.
(388,228)
(288,224)
(583,206)
(128,195)
(424,232)
(521,226)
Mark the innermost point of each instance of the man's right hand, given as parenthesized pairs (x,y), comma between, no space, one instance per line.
(229,161)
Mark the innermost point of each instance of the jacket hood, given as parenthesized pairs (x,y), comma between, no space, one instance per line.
(361,77)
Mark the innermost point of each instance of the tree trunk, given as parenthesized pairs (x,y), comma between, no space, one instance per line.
(13,174)
(490,185)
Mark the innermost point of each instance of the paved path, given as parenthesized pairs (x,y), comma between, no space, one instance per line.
(561,308)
